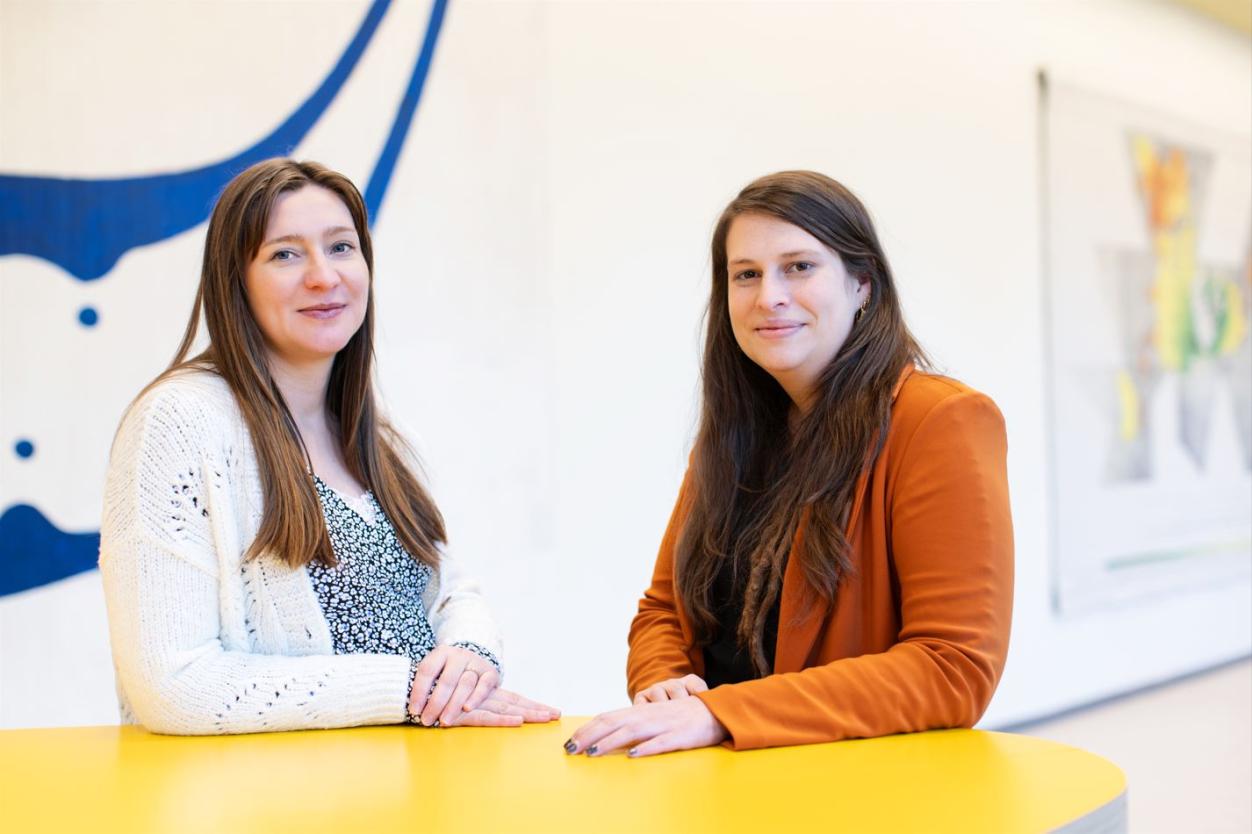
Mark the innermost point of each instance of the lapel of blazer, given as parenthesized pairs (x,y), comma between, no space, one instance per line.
(801,613)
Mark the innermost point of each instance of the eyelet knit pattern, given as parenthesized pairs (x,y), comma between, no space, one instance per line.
(204,642)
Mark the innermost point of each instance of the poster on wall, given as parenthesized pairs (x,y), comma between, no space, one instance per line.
(1148,241)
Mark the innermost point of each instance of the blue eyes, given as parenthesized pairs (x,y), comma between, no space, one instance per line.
(342,247)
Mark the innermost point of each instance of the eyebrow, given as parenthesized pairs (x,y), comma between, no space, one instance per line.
(333,230)
(797,253)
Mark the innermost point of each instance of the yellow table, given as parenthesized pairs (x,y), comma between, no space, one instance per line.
(378,779)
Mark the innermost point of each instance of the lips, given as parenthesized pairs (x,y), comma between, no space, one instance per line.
(779,330)
(323,311)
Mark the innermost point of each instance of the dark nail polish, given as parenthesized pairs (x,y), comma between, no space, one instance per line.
(592,750)
(570,746)
(631,752)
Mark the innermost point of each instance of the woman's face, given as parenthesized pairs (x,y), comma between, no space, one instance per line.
(791,301)
(308,284)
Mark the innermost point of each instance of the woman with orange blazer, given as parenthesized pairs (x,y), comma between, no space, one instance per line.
(839,563)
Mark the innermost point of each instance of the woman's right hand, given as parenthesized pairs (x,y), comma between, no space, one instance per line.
(503,708)
(671,690)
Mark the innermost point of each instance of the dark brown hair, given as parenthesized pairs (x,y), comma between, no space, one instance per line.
(754,479)
(292,527)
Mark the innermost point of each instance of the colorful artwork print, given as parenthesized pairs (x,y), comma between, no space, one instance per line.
(1149,299)
(1181,316)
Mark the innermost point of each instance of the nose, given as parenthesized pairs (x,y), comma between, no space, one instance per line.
(772,293)
(320,273)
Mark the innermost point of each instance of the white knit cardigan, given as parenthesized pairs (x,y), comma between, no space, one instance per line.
(205,642)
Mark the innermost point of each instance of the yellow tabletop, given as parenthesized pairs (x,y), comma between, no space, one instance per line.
(520,780)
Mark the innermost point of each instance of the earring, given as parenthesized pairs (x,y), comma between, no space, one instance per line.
(860,314)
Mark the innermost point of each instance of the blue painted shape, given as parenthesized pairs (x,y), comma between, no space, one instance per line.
(88,317)
(380,178)
(24,448)
(34,552)
(85,225)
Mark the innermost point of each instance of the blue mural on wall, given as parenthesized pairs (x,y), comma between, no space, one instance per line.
(84,226)
(34,552)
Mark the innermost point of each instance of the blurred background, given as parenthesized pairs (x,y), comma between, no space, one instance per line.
(1063,189)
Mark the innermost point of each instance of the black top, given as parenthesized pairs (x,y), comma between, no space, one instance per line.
(725,661)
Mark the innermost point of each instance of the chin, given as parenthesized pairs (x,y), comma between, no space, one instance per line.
(324,349)
(775,364)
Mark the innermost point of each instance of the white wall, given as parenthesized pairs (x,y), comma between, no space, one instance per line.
(542,265)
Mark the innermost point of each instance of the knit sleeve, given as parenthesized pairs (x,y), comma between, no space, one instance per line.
(454,602)
(458,613)
(170,502)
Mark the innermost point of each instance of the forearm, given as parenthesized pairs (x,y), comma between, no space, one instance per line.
(658,644)
(658,650)
(233,692)
(457,610)
(917,685)
(178,678)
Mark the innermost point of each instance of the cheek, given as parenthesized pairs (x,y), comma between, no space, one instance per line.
(738,305)
(358,281)
(263,300)
(835,305)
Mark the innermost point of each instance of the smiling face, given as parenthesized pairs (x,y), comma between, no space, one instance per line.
(308,285)
(790,300)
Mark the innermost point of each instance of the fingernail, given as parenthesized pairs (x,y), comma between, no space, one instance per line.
(632,751)
(570,746)
(592,750)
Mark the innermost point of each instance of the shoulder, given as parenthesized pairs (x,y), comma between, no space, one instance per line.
(188,391)
(188,405)
(939,403)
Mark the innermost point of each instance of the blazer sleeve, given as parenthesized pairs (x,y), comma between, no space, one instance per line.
(658,648)
(160,564)
(951,544)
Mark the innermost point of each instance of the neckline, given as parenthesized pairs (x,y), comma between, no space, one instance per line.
(363,506)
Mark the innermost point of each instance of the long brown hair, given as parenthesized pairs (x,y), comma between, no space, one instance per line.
(754,479)
(292,527)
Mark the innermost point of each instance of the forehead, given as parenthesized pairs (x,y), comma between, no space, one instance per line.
(755,235)
(311,208)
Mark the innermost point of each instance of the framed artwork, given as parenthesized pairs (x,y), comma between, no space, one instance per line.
(1148,299)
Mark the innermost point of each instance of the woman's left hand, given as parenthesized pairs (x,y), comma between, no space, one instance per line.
(450,681)
(507,709)
(646,729)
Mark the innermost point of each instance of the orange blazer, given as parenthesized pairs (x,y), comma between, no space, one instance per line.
(917,635)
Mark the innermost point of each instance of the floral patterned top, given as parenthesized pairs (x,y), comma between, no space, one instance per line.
(372,598)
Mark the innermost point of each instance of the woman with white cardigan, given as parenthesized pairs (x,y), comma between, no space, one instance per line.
(270,559)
